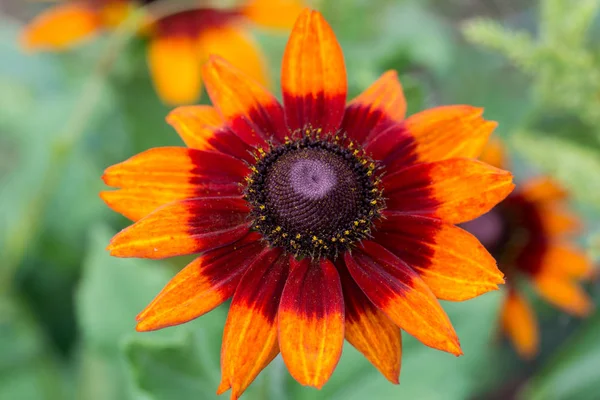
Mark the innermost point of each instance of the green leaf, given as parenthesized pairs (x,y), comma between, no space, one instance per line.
(27,369)
(573,373)
(112,292)
(575,165)
(173,369)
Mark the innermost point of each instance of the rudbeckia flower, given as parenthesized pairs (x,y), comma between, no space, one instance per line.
(530,235)
(323,220)
(179,44)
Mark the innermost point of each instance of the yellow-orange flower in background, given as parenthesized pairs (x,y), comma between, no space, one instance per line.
(530,234)
(179,43)
(324,220)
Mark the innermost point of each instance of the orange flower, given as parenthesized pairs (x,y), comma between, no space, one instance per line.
(528,233)
(179,44)
(323,220)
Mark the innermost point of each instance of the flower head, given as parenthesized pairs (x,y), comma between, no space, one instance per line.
(323,220)
(179,43)
(529,233)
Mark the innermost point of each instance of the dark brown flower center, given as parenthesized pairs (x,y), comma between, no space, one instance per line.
(314,197)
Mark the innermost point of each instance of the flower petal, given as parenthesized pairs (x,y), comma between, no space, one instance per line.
(543,189)
(61,27)
(563,293)
(455,190)
(370,330)
(380,105)
(518,322)
(250,110)
(311,321)
(184,227)
(161,175)
(433,135)
(450,260)
(250,336)
(175,68)
(313,76)
(201,286)
(564,260)
(493,153)
(277,14)
(558,221)
(402,295)
(237,46)
(203,128)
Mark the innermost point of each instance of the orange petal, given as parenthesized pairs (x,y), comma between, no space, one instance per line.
(370,330)
(494,154)
(557,221)
(113,13)
(184,227)
(201,286)
(161,175)
(237,46)
(563,293)
(433,135)
(277,14)
(175,68)
(203,128)
(250,336)
(563,260)
(455,190)
(518,321)
(543,189)
(249,109)
(311,321)
(374,109)
(402,295)
(450,260)
(313,76)
(61,27)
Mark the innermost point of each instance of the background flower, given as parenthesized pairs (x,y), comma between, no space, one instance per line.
(179,43)
(531,236)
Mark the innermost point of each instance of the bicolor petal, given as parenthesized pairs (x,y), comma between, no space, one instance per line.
(175,68)
(203,128)
(455,190)
(369,330)
(161,175)
(518,322)
(249,109)
(61,27)
(250,336)
(184,227)
(373,111)
(311,321)
(451,261)
(201,286)
(433,135)
(313,76)
(401,294)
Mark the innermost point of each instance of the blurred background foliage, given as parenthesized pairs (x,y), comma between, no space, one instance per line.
(67,309)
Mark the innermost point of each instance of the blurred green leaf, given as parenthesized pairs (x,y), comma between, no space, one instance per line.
(112,292)
(573,373)
(27,369)
(575,166)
